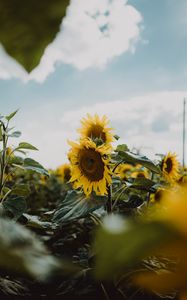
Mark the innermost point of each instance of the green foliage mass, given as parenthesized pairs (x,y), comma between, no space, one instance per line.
(28,27)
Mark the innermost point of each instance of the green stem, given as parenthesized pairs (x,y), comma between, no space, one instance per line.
(149,193)
(109,200)
(3,158)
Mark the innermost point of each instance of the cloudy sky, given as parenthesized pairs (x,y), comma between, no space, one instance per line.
(125,59)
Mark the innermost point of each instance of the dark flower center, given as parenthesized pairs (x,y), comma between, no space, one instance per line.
(67,174)
(169,165)
(158,195)
(91,164)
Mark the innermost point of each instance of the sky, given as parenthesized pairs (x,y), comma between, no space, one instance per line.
(124,59)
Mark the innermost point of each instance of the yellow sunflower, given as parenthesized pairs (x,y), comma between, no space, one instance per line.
(158,195)
(140,174)
(122,171)
(182,180)
(90,167)
(96,129)
(170,167)
(64,172)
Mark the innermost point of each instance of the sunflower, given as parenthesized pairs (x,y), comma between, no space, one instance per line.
(63,172)
(182,180)
(96,129)
(143,173)
(170,167)
(90,167)
(123,170)
(158,195)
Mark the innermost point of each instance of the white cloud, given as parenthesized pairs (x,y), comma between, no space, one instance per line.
(9,67)
(152,123)
(93,33)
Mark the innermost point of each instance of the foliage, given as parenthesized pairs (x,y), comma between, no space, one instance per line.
(56,240)
(27,27)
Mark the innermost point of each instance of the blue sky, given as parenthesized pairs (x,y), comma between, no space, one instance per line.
(136,75)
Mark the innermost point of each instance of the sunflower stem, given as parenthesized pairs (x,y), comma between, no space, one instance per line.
(109,200)
(149,193)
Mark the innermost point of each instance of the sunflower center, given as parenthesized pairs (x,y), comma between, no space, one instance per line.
(169,165)
(67,174)
(96,131)
(91,164)
(158,196)
(141,175)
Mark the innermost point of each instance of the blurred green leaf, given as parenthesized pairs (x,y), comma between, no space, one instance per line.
(27,27)
(31,164)
(17,160)
(1,134)
(76,205)
(21,190)
(9,117)
(142,183)
(22,252)
(124,247)
(15,134)
(117,137)
(35,222)
(16,205)
(132,158)
(24,145)
(122,147)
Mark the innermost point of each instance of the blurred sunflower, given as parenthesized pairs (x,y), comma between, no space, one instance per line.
(157,196)
(182,180)
(90,167)
(63,172)
(122,171)
(140,173)
(9,151)
(96,129)
(170,167)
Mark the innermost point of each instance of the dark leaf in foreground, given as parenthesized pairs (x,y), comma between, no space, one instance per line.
(27,27)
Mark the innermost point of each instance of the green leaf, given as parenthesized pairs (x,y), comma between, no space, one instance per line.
(132,158)
(9,117)
(28,27)
(15,134)
(1,134)
(120,245)
(15,160)
(34,222)
(23,253)
(25,145)
(122,147)
(21,190)
(117,137)
(76,205)
(31,164)
(16,205)
(142,184)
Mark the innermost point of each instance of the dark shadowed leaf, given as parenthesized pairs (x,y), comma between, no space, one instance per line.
(132,158)
(21,190)
(142,184)
(27,27)
(76,205)
(31,164)
(35,222)
(16,205)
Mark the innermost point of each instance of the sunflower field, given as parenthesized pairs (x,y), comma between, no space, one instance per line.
(108,223)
